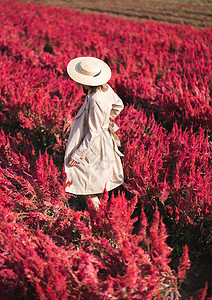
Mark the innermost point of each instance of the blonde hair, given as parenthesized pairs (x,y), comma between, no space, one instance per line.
(94,89)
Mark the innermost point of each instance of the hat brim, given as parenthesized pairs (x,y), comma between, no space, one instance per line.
(75,73)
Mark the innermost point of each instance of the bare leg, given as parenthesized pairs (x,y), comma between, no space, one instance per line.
(95,199)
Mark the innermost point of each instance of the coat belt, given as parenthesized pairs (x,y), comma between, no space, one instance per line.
(112,127)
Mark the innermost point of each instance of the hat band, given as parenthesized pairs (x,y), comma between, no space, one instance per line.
(89,73)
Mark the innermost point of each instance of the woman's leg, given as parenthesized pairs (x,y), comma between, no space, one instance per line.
(95,199)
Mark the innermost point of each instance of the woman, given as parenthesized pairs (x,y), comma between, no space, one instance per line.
(92,159)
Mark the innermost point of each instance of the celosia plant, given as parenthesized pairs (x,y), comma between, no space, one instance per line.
(89,255)
(163,74)
(171,169)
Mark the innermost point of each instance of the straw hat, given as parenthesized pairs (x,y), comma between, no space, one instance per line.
(89,71)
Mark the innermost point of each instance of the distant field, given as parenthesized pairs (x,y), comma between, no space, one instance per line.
(194,12)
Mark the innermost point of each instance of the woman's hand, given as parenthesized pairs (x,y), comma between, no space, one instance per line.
(72,163)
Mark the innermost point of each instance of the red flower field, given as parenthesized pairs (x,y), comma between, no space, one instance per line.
(140,243)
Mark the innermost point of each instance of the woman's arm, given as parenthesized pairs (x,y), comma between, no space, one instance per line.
(117,106)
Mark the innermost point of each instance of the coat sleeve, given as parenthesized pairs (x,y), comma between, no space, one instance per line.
(117,106)
(87,148)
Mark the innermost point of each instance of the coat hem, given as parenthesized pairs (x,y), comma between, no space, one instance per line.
(90,192)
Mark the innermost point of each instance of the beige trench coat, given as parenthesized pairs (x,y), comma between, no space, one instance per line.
(93,146)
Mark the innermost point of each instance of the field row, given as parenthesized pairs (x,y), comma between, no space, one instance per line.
(197,13)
